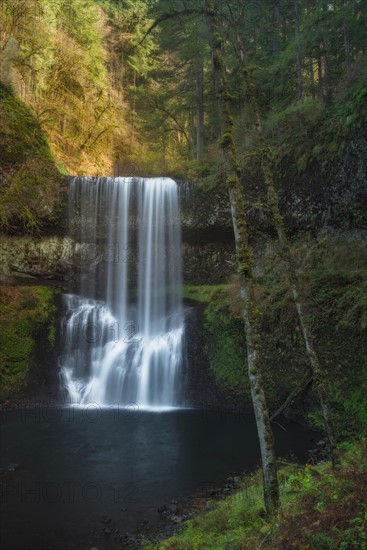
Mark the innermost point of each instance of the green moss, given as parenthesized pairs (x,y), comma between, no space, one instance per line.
(21,135)
(226,139)
(319,505)
(332,274)
(223,337)
(333,281)
(30,182)
(27,317)
(202,293)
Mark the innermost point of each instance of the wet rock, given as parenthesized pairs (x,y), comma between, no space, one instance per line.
(106,520)
(237,482)
(173,509)
(107,531)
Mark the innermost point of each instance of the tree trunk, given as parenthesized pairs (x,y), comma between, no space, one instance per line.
(346,43)
(298,55)
(287,255)
(245,270)
(276,17)
(199,77)
(191,134)
(328,88)
(312,77)
(319,77)
(133,111)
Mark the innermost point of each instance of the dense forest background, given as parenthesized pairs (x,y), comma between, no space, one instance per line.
(116,87)
(105,89)
(126,87)
(116,93)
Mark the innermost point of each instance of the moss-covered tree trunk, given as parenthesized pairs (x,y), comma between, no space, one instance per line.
(287,254)
(199,82)
(245,270)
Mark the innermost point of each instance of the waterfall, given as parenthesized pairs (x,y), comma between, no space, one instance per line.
(123,329)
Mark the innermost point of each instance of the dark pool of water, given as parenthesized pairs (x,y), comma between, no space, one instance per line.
(65,472)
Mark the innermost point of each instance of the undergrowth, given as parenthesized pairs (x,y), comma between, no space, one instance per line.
(321,509)
(27,318)
(333,280)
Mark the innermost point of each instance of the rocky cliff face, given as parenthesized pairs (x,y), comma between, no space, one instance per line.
(208,248)
(332,202)
(47,258)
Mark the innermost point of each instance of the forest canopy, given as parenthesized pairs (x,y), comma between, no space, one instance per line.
(130,81)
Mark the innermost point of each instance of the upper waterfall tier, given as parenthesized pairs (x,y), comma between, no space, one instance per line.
(123,332)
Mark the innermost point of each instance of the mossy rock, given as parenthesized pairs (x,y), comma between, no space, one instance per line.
(30,181)
(27,317)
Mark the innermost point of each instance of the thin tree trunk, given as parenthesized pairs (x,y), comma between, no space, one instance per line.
(320,78)
(191,134)
(245,270)
(312,77)
(293,396)
(328,87)
(346,48)
(318,374)
(276,17)
(133,113)
(346,43)
(298,56)
(199,74)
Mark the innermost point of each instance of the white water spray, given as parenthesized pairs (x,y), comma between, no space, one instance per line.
(120,349)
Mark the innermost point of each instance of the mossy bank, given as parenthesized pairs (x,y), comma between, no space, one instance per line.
(27,341)
(30,182)
(333,275)
(321,508)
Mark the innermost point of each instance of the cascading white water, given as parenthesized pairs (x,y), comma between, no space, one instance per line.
(118,349)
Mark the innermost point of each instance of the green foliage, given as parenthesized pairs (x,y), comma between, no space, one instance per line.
(203,294)
(338,291)
(62,73)
(27,316)
(223,337)
(29,181)
(103,89)
(320,509)
(355,537)
(21,135)
(333,279)
(230,523)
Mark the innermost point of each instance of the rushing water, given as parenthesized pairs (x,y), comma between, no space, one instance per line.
(119,349)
